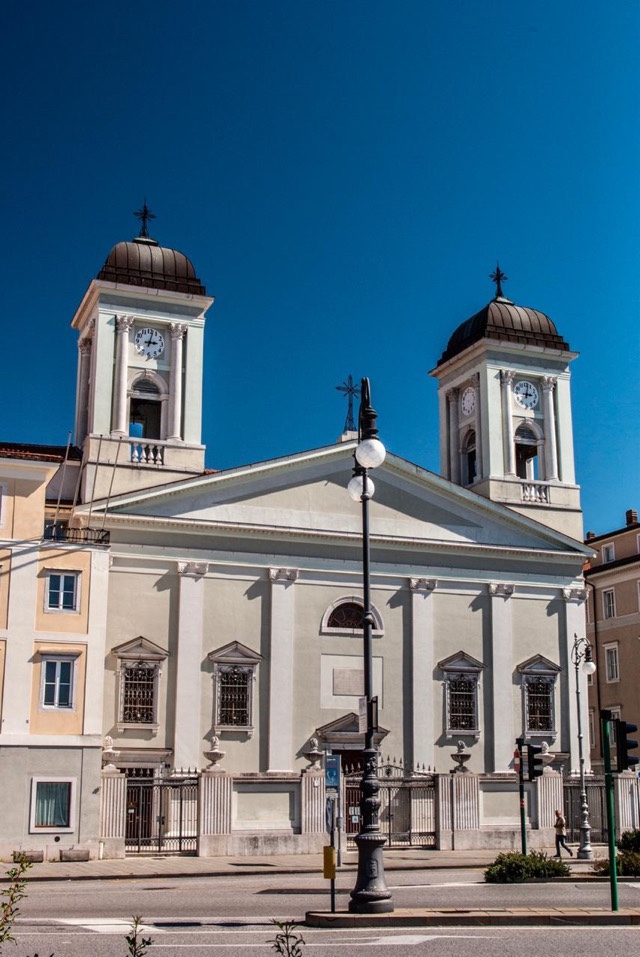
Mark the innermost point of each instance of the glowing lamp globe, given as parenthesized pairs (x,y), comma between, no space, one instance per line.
(370,453)
(356,487)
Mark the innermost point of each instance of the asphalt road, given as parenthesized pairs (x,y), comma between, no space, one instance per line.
(216,916)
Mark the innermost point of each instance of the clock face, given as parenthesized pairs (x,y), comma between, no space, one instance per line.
(149,343)
(525,394)
(468,402)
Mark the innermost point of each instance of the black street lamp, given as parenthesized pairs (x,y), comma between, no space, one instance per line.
(581,655)
(370,895)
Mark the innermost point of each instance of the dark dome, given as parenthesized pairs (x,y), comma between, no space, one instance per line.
(502,319)
(144,263)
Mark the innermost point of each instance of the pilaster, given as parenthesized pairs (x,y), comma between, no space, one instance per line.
(313,802)
(550,440)
(187,733)
(84,371)
(178,330)
(501,675)
(574,624)
(123,328)
(506,382)
(422,642)
(453,397)
(280,748)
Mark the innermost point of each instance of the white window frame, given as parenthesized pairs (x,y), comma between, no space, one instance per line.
(39,829)
(461,667)
(139,651)
(612,646)
(58,658)
(152,666)
(59,610)
(606,607)
(616,714)
(378,627)
(608,553)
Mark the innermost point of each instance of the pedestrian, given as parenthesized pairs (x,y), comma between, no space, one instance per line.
(561,834)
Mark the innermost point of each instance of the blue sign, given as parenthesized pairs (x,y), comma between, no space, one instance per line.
(332,772)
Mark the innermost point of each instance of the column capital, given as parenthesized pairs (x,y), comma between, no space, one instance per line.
(422,584)
(178,330)
(193,569)
(574,594)
(549,382)
(283,575)
(505,590)
(507,376)
(124,323)
(453,394)
(84,345)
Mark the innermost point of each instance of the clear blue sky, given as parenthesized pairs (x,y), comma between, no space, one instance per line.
(344,176)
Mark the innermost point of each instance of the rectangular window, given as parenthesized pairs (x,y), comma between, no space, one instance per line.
(615,714)
(62,591)
(57,682)
(52,804)
(234,697)
(462,703)
(138,693)
(539,705)
(592,728)
(609,603)
(608,552)
(612,664)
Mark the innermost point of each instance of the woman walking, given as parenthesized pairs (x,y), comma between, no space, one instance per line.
(561,834)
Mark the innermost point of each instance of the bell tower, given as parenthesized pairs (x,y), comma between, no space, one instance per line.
(505,412)
(140,363)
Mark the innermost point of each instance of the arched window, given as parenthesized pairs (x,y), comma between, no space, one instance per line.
(145,410)
(526,442)
(469,460)
(345,616)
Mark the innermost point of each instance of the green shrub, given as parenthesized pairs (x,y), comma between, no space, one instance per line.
(629,841)
(627,864)
(514,868)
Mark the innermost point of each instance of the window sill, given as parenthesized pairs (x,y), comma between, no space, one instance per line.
(238,728)
(153,728)
(51,830)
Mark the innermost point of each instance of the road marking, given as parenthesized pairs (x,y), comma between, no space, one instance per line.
(107,925)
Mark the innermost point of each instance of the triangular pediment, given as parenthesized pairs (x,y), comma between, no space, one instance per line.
(235,653)
(305,495)
(460,661)
(539,665)
(347,725)
(140,648)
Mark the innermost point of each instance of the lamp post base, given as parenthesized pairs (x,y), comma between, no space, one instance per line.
(370,895)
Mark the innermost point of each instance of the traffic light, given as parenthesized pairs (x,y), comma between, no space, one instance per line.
(534,761)
(625,744)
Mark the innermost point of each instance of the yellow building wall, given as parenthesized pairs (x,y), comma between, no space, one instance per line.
(68,622)
(5,577)
(23,507)
(54,721)
(3,651)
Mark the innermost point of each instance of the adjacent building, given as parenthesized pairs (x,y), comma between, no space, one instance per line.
(613,627)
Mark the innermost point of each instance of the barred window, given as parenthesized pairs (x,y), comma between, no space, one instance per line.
(347,615)
(539,704)
(463,703)
(138,693)
(234,696)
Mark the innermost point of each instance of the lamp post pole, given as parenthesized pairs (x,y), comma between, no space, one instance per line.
(370,895)
(581,655)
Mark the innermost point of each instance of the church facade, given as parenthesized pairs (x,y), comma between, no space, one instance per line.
(180,625)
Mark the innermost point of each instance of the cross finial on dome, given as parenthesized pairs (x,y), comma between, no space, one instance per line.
(144,215)
(498,277)
(350,390)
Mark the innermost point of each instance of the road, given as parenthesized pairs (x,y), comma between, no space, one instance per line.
(216,916)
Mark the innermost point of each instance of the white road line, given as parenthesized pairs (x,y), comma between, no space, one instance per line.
(106,925)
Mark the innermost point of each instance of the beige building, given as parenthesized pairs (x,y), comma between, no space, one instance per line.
(613,627)
(210,622)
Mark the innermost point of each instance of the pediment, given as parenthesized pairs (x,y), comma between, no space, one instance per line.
(140,649)
(235,653)
(460,661)
(346,725)
(539,665)
(306,495)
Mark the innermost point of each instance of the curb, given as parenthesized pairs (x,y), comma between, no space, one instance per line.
(525,917)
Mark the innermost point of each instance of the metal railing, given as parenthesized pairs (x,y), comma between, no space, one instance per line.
(60,532)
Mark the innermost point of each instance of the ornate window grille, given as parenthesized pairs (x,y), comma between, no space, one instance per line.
(347,615)
(138,692)
(539,693)
(234,696)
(462,695)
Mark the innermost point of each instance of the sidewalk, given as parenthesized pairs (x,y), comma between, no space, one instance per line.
(144,867)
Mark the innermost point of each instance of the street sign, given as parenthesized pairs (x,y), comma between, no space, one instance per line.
(362,715)
(332,772)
